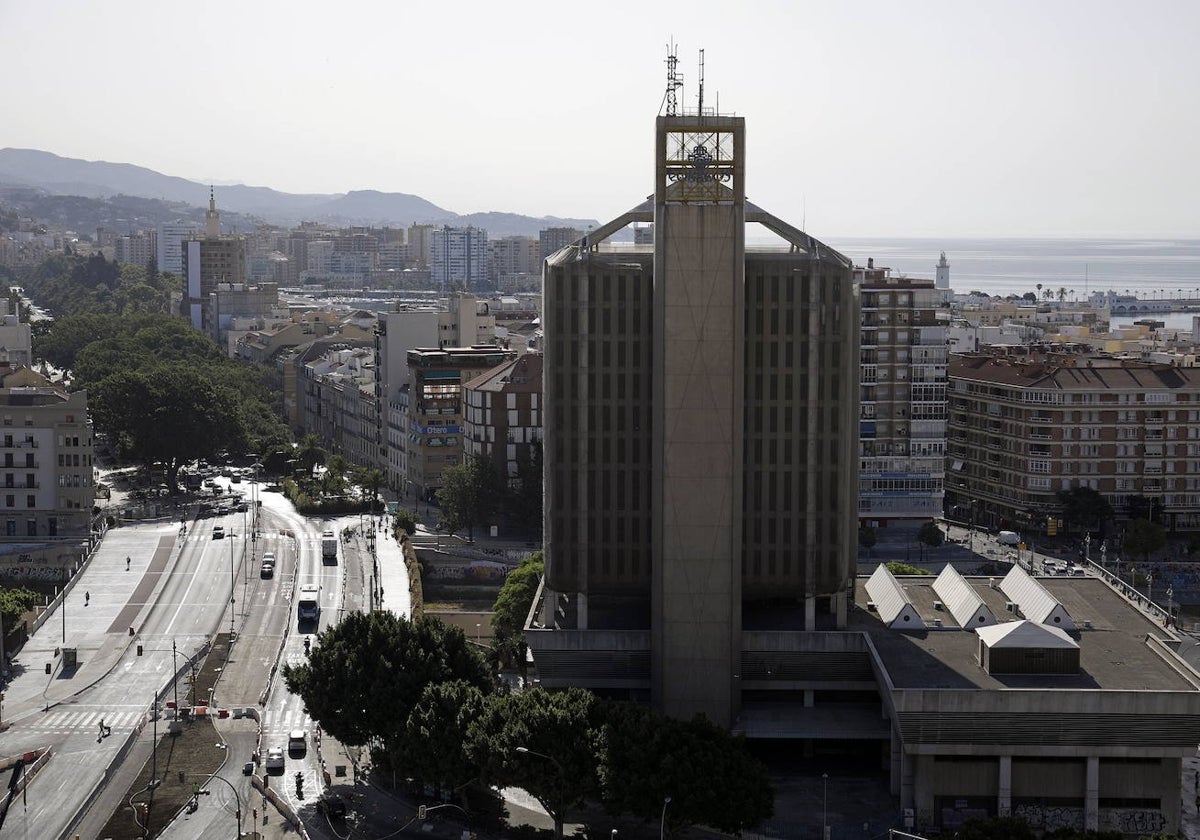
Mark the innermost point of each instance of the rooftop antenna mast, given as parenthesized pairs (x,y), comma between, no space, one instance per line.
(700,103)
(674,81)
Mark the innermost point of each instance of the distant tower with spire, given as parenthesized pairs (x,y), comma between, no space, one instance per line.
(212,218)
(942,280)
(210,260)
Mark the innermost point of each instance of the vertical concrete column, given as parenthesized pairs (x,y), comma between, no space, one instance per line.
(1004,794)
(896,776)
(809,694)
(1091,795)
(581,610)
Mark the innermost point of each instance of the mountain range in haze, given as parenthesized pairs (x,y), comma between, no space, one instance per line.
(30,179)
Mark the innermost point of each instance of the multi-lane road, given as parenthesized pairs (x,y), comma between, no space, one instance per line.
(175,592)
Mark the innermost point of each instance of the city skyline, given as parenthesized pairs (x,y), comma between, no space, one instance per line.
(937,119)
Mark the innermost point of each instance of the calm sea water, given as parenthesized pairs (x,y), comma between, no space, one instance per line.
(1149,268)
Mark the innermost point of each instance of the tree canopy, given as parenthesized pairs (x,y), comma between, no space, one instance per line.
(512,607)
(69,284)
(931,534)
(432,746)
(14,602)
(542,742)
(1084,507)
(162,390)
(1144,537)
(470,494)
(365,675)
(710,778)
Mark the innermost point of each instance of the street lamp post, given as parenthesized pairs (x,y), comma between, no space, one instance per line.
(232,587)
(237,799)
(824,806)
(558,818)
(662,820)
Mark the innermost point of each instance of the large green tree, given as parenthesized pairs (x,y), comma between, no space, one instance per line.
(15,601)
(1144,537)
(706,773)
(1083,507)
(366,674)
(512,607)
(524,498)
(431,748)
(541,742)
(931,534)
(168,414)
(470,494)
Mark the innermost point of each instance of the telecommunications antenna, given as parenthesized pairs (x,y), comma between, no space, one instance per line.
(700,102)
(674,81)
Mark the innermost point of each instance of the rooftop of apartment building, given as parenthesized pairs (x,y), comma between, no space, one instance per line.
(475,356)
(1048,366)
(1114,652)
(520,375)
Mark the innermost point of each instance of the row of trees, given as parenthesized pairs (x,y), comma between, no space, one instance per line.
(68,284)
(421,697)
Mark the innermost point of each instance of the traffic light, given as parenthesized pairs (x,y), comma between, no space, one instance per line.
(420,812)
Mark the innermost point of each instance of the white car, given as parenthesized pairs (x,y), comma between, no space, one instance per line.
(275,759)
(297,742)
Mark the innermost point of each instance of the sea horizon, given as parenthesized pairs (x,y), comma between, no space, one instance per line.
(1151,267)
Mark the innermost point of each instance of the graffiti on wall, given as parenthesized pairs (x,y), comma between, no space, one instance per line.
(43,573)
(1132,820)
(24,567)
(1050,817)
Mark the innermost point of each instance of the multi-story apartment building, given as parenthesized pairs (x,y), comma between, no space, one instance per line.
(420,245)
(338,382)
(1024,427)
(46,488)
(16,338)
(511,256)
(902,405)
(139,248)
(466,321)
(458,258)
(700,438)
(551,240)
(435,410)
(503,418)
(171,236)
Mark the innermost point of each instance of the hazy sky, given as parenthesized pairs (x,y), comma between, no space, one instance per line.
(863,118)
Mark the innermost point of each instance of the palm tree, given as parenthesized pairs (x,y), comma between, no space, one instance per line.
(370,479)
(1062,294)
(309,453)
(335,475)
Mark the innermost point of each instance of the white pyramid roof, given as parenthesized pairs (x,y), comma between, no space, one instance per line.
(1025,634)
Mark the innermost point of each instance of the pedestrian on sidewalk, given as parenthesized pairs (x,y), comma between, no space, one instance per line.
(128,560)
(87,596)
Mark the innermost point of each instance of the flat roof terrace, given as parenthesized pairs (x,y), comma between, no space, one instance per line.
(1114,654)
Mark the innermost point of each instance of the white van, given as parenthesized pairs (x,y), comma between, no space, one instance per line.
(1008,538)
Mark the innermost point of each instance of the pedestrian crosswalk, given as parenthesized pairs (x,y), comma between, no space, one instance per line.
(69,721)
(276,725)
